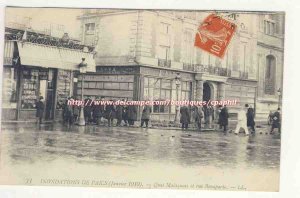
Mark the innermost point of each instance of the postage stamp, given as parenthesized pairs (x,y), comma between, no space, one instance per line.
(214,35)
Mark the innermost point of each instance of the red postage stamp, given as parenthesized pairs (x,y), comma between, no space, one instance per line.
(214,35)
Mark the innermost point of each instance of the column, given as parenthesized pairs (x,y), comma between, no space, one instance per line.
(221,89)
(199,90)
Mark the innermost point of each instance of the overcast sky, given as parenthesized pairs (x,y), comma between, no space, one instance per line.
(43,17)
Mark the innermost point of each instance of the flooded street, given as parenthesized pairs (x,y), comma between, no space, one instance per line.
(150,155)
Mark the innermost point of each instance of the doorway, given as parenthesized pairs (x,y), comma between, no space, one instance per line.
(50,95)
(207,92)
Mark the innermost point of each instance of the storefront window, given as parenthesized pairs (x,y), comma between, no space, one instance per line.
(9,93)
(63,87)
(158,90)
(30,88)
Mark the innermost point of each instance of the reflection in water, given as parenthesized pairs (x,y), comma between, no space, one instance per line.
(131,146)
(135,154)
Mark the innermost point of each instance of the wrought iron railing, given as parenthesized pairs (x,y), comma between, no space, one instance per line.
(213,70)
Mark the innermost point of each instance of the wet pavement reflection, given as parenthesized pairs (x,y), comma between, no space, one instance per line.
(28,143)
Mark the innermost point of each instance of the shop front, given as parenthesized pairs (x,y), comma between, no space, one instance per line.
(33,70)
(139,83)
(161,84)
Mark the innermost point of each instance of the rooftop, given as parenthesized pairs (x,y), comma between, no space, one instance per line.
(30,35)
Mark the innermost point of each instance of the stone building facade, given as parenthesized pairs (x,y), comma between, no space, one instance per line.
(140,52)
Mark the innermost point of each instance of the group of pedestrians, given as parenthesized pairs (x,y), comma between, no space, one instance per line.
(205,116)
(246,120)
(94,113)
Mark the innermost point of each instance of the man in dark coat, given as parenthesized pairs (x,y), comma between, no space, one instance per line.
(132,114)
(223,118)
(110,113)
(185,117)
(96,111)
(40,106)
(125,115)
(68,112)
(198,117)
(76,111)
(147,110)
(250,118)
(88,110)
(276,121)
(119,114)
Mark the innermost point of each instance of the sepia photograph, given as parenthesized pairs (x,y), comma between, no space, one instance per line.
(142,98)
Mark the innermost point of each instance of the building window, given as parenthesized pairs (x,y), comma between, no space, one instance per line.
(188,47)
(158,90)
(270,75)
(165,28)
(90,28)
(164,56)
(186,88)
(163,52)
(64,80)
(9,90)
(30,88)
(269,27)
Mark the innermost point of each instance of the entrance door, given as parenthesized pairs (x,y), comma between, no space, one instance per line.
(50,96)
(206,92)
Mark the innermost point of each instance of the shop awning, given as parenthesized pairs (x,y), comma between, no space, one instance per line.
(8,52)
(32,54)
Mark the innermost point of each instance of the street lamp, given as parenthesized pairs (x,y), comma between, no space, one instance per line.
(279,95)
(177,83)
(82,69)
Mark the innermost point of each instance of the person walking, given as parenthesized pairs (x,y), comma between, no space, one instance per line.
(184,117)
(242,121)
(223,118)
(40,106)
(276,121)
(147,110)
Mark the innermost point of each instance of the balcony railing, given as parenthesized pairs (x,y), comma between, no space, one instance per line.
(164,63)
(213,70)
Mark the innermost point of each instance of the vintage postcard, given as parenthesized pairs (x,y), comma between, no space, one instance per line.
(148,99)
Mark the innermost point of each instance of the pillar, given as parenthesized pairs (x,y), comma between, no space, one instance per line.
(199,90)
(221,88)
